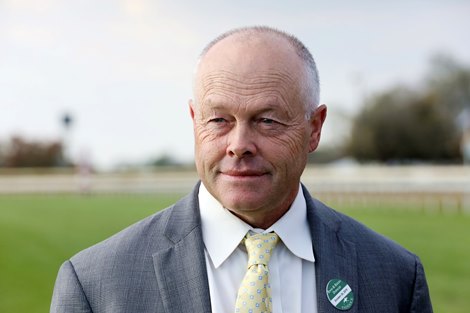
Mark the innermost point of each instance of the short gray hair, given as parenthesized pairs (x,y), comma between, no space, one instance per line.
(312,83)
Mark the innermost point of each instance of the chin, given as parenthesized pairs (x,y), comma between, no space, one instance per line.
(244,196)
(247,201)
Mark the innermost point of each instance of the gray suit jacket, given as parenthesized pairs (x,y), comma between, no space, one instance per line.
(158,265)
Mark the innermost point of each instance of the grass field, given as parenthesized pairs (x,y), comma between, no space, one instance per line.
(39,232)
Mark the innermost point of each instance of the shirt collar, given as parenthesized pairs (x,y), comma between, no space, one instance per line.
(222,231)
(293,229)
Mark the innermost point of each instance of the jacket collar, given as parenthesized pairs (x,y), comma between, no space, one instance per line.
(181,269)
(335,256)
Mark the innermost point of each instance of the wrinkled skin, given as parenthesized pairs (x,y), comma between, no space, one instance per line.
(252,136)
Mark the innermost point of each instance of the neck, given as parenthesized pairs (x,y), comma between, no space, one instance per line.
(265,217)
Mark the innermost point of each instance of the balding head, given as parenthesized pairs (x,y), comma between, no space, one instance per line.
(262,44)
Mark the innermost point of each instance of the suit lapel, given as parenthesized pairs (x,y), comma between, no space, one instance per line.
(335,256)
(181,269)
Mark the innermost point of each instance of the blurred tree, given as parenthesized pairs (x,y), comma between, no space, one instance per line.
(2,155)
(164,160)
(408,125)
(449,82)
(326,154)
(22,153)
(402,125)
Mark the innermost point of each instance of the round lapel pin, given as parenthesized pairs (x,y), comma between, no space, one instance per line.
(340,294)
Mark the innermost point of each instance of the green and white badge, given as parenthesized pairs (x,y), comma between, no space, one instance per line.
(340,294)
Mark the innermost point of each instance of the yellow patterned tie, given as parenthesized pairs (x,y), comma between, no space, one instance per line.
(254,295)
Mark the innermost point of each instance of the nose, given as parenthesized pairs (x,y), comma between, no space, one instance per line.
(241,142)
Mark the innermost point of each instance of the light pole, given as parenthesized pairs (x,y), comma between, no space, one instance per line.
(66,121)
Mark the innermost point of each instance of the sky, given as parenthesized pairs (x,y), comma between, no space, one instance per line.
(123,69)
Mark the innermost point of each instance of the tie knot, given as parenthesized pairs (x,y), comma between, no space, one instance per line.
(259,248)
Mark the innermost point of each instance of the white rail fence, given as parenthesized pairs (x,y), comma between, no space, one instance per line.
(440,188)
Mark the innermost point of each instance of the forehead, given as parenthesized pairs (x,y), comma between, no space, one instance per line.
(274,83)
(257,66)
(264,92)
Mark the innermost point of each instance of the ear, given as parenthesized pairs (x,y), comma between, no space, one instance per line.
(316,122)
(191,108)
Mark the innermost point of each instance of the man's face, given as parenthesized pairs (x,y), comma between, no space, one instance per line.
(251,133)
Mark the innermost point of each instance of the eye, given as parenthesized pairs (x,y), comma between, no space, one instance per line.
(217,120)
(267,121)
(269,126)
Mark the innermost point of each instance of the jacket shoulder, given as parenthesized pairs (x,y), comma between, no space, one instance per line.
(133,238)
(118,274)
(372,248)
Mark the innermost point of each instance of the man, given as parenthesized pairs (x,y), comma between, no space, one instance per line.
(256,116)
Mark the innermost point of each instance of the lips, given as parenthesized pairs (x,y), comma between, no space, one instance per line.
(243,173)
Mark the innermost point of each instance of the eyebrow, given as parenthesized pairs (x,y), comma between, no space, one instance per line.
(272,107)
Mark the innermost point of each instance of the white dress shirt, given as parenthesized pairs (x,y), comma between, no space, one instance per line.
(291,268)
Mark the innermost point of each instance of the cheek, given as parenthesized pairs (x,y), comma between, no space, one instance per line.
(292,144)
(208,144)
(203,136)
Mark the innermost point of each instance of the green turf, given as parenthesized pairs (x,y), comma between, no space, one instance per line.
(38,232)
(442,241)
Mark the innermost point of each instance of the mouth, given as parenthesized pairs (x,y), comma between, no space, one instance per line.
(240,174)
